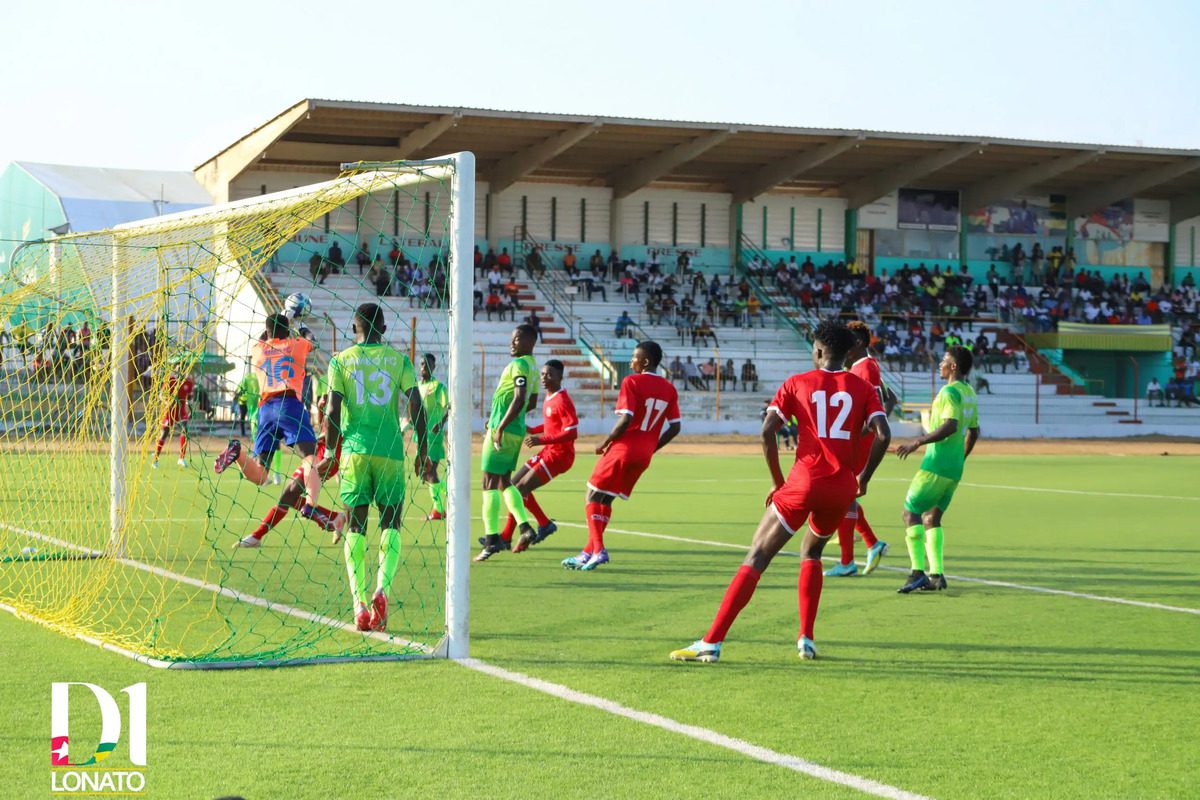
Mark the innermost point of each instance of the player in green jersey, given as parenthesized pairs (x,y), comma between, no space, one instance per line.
(953,431)
(436,401)
(366,384)
(513,399)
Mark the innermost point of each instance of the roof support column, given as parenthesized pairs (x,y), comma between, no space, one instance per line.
(616,226)
(735,235)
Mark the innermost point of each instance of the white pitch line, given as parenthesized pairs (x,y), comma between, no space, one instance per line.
(224,591)
(763,754)
(985,581)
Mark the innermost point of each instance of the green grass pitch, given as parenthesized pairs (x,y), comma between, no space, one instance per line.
(982,691)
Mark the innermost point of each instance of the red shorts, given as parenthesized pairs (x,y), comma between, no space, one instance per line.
(175,415)
(333,470)
(618,470)
(826,501)
(552,461)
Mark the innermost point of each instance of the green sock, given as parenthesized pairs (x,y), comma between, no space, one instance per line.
(437,491)
(933,541)
(493,512)
(516,505)
(915,538)
(355,550)
(389,559)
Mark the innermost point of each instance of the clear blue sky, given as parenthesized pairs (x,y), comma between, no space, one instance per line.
(167,84)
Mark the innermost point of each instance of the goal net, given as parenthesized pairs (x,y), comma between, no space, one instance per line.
(116,533)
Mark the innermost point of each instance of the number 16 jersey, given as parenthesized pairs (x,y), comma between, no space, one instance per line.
(832,410)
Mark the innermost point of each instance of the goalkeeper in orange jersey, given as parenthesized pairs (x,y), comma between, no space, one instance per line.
(278,362)
(293,493)
(179,388)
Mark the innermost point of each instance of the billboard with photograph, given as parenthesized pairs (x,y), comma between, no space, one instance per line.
(1109,222)
(928,209)
(1044,216)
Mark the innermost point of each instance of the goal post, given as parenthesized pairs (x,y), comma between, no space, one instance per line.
(102,536)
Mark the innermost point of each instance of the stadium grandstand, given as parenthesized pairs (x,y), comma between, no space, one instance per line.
(1069,268)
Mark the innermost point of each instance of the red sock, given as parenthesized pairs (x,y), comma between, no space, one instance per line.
(810,594)
(275,516)
(740,590)
(863,527)
(510,526)
(597,521)
(158,446)
(532,505)
(183,445)
(846,539)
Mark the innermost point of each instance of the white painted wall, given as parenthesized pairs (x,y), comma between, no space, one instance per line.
(779,226)
(569,205)
(688,206)
(1183,242)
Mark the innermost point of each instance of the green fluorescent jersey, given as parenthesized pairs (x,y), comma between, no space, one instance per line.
(436,400)
(372,380)
(248,390)
(954,401)
(521,371)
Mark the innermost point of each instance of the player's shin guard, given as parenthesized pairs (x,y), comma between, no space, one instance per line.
(845,533)
(389,559)
(532,506)
(183,445)
(933,545)
(597,521)
(158,446)
(355,551)
(914,537)
(312,481)
(516,505)
(493,510)
(276,515)
(437,493)
(864,528)
(809,586)
(740,590)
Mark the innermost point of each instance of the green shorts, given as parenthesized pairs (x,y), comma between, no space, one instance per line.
(504,460)
(435,448)
(370,480)
(928,491)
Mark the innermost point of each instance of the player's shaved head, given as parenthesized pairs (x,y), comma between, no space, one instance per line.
(963,359)
(278,326)
(834,338)
(652,351)
(368,318)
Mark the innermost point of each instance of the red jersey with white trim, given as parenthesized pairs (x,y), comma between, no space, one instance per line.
(560,423)
(651,400)
(181,389)
(831,409)
(867,368)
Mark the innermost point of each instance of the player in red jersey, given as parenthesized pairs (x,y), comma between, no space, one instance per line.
(556,436)
(646,401)
(180,388)
(833,408)
(864,366)
(293,494)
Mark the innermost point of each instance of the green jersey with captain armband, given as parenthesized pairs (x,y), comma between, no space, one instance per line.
(521,371)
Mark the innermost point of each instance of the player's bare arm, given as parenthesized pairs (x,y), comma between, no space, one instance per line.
(670,433)
(883,437)
(770,447)
(943,431)
(333,423)
(416,413)
(618,429)
(971,438)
